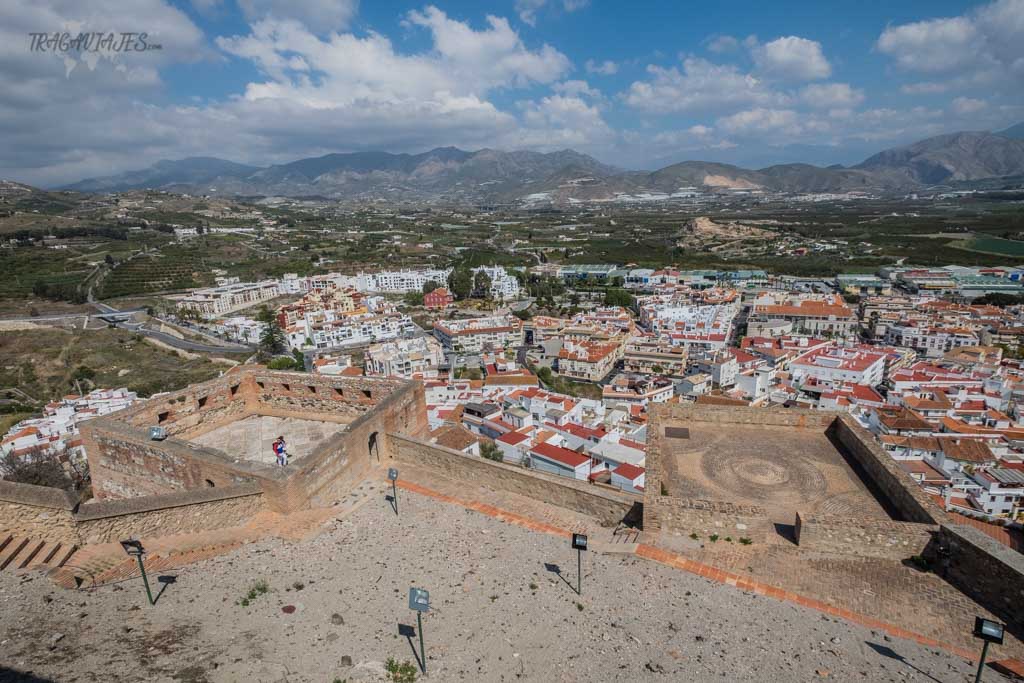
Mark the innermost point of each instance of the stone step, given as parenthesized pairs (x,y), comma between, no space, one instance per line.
(5,540)
(11,552)
(30,553)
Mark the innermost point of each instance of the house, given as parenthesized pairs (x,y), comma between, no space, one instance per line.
(628,477)
(547,457)
(1001,491)
(438,299)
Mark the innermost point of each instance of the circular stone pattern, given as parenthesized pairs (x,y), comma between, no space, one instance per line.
(767,477)
(759,472)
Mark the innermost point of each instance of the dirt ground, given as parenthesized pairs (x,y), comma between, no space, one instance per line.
(337,609)
(779,468)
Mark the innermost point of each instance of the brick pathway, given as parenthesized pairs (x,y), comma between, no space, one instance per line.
(905,595)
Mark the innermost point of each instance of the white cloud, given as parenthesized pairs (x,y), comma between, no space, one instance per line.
(791,58)
(984,45)
(760,121)
(700,86)
(576,88)
(605,68)
(968,105)
(723,44)
(320,16)
(528,9)
(831,96)
(559,121)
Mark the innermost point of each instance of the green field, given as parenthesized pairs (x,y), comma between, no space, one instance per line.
(992,245)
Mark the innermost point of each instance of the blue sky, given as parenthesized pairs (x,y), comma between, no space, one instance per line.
(637,85)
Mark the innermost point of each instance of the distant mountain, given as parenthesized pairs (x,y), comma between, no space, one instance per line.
(449,173)
(946,158)
(1016,132)
(166,173)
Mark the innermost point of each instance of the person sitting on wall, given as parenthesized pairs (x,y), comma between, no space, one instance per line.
(280,451)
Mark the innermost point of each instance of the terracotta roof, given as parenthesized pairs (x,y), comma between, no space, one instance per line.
(968,450)
(631,472)
(564,456)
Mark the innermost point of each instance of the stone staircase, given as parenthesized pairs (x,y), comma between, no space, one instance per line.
(19,552)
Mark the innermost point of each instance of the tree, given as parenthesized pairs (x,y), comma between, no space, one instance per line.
(108,259)
(488,451)
(45,467)
(272,340)
(482,284)
(413,298)
(460,282)
(430,285)
(618,297)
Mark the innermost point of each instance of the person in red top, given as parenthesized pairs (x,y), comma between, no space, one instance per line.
(280,451)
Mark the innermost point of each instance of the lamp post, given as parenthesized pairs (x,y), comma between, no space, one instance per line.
(990,632)
(393,478)
(579,542)
(419,601)
(134,549)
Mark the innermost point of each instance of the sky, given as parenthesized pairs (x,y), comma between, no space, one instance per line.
(635,84)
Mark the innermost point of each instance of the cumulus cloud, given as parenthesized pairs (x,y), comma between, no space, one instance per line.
(831,96)
(792,58)
(321,16)
(968,105)
(576,88)
(983,45)
(605,68)
(528,9)
(723,44)
(700,86)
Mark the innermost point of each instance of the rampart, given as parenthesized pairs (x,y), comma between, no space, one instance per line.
(877,538)
(610,507)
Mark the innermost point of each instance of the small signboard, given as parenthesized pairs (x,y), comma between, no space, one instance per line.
(989,631)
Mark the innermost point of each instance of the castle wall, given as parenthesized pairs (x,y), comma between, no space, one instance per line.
(606,505)
(877,538)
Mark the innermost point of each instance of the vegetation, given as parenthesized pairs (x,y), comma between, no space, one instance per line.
(489,451)
(257,589)
(272,341)
(460,282)
(404,672)
(46,468)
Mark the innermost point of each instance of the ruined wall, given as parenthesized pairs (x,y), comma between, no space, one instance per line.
(780,417)
(706,517)
(882,539)
(907,498)
(337,466)
(195,409)
(179,513)
(989,572)
(37,512)
(124,463)
(608,506)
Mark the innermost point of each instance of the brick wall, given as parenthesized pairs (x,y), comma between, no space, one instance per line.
(903,494)
(608,506)
(37,512)
(882,539)
(989,572)
(166,515)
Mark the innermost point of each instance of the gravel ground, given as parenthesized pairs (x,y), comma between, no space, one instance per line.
(337,609)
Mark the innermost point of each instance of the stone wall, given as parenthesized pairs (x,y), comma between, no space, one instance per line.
(705,517)
(189,512)
(606,505)
(124,463)
(337,466)
(908,500)
(37,512)
(989,572)
(882,539)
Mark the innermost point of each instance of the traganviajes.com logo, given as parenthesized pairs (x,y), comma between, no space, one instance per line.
(95,41)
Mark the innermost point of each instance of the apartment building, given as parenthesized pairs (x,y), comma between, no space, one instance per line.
(408,358)
(589,361)
(835,366)
(218,301)
(358,328)
(474,335)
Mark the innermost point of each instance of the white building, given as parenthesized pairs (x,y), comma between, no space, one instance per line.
(218,301)
(348,330)
(401,281)
(834,366)
(419,356)
(477,334)
(504,286)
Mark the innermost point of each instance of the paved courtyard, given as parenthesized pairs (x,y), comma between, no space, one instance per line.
(782,469)
(251,438)
(504,609)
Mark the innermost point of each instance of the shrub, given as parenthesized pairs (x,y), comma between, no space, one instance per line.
(713,538)
(745,541)
(400,673)
(257,589)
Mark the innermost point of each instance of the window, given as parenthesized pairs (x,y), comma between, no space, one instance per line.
(234,390)
(210,484)
(367,393)
(312,389)
(162,417)
(202,401)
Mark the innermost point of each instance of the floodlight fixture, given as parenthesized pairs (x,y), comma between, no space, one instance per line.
(990,632)
(134,549)
(419,601)
(579,544)
(393,478)
(392,474)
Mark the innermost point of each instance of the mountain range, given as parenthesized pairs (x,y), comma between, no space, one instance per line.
(449,173)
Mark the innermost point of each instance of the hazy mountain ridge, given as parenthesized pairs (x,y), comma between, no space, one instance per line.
(493,175)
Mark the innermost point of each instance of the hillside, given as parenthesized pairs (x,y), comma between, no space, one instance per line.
(559,177)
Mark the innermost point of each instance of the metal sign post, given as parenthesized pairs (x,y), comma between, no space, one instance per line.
(579,542)
(990,632)
(134,549)
(419,600)
(393,476)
